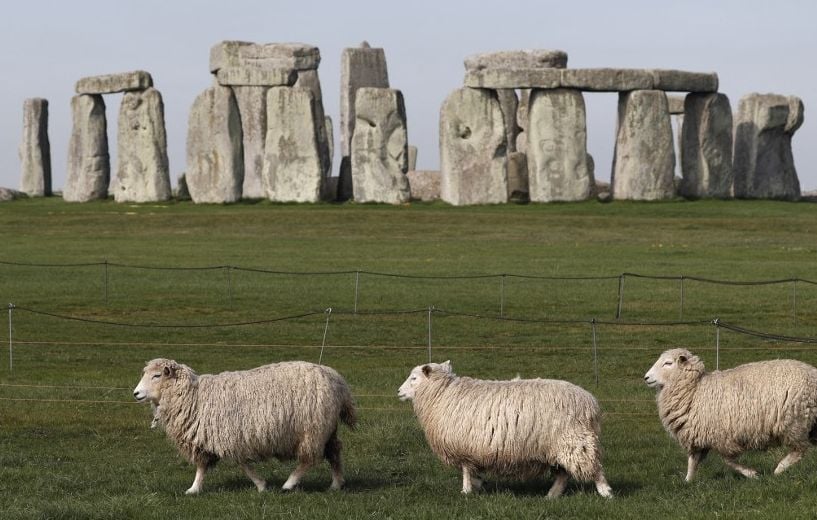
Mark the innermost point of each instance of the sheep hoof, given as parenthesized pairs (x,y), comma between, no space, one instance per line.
(336,486)
(192,491)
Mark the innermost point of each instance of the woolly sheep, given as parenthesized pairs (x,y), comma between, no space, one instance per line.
(516,428)
(283,410)
(749,407)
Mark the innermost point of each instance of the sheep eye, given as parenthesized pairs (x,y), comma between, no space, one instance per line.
(413,378)
(667,363)
(157,376)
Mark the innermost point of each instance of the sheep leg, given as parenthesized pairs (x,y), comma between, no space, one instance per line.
(793,457)
(743,470)
(201,469)
(259,482)
(695,458)
(332,454)
(602,486)
(296,475)
(467,484)
(559,484)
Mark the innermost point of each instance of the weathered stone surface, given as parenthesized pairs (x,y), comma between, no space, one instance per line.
(35,149)
(522,120)
(509,105)
(706,147)
(425,184)
(644,157)
(763,161)
(215,154)
(557,147)
(264,56)
(380,147)
(182,192)
(683,81)
(360,67)
(518,188)
(412,157)
(330,144)
(473,148)
(8,194)
(513,78)
(293,171)
(309,80)
(521,59)
(607,80)
(676,104)
(89,166)
(252,106)
(247,77)
(142,173)
(112,83)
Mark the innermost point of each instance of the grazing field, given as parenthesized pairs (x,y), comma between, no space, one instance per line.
(74,445)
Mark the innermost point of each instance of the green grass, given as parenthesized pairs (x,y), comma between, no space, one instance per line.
(86,459)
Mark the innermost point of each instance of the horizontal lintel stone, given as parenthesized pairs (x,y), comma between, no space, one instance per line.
(513,78)
(683,81)
(266,56)
(245,77)
(524,59)
(113,83)
(607,80)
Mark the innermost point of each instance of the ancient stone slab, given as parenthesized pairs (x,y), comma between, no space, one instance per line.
(522,120)
(112,83)
(215,154)
(142,173)
(264,56)
(676,104)
(360,67)
(309,80)
(8,194)
(89,166)
(182,192)
(509,104)
(412,157)
(473,148)
(557,147)
(252,106)
(763,160)
(513,78)
(520,59)
(518,188)
(607,80)
(330,143)
(683,81)
(293,171)
(35,149)
(706,148)
(380,147)
(242,76)
(644,157)
(424,184)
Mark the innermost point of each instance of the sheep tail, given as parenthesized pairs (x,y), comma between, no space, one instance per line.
(348,414)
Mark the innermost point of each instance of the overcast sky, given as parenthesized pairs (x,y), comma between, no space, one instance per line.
(755,46)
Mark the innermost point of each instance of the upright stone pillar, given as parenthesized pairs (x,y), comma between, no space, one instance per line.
(309,80)
(380,147)
(35,149)
(215,155)
(644,159)
(557,147)
(473,148)
(89,166)
(763,160)
(363,66)
(509,104)
(293,168)
(706,147)
(142,173)
(412,158)
(252,105)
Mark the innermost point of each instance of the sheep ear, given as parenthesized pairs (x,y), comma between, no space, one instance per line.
(682,359)
(169,372)
(426,370)
(447,365)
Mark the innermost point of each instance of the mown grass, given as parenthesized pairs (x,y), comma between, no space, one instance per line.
(80,458)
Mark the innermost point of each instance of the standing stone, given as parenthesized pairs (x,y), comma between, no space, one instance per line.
(522,120)
(557,147)
(706,148)
(215,156)
(509,104)
(182,192)
(380,147)
(473,148)
(142,173)
(252,106)
(293,170)
(518,187)
(89,166)
(424,184)
(644,158)
(35,150)
(412,157)
(309,80)
(763,161)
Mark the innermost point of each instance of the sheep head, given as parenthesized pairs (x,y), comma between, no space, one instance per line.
(673,364)
(419,375)
(156,375)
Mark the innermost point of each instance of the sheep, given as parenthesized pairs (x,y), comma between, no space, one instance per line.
(750,407)
(516,428)
(283,410)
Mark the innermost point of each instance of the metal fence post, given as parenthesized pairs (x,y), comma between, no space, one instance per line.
(794,302)
(11,349)
(682,299)
(325,331)
(357,285)
(106,281)
(502,296)
(430,311)
(595,353)
(620,295)
(229,270)
(717,323)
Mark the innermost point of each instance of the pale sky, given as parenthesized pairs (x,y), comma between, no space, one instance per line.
(755,46)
